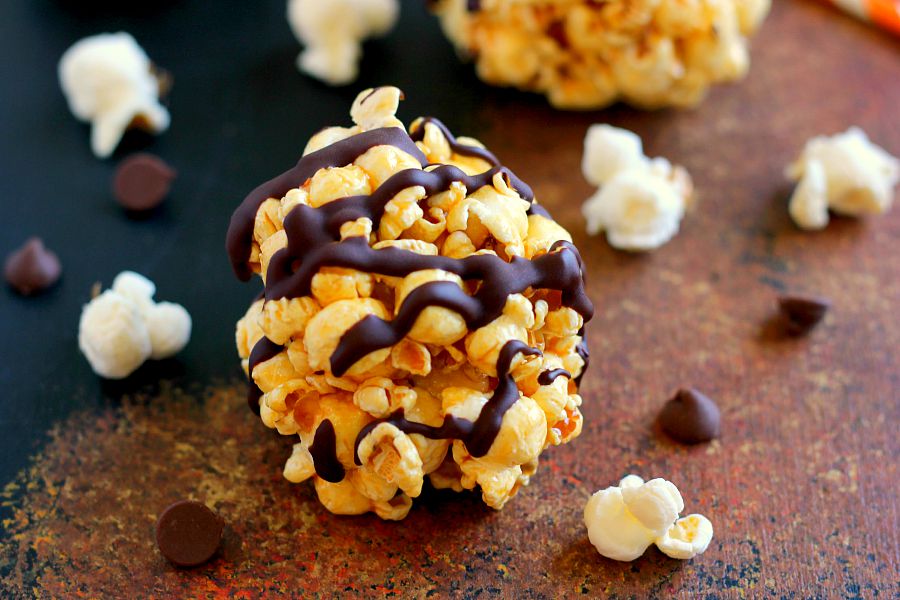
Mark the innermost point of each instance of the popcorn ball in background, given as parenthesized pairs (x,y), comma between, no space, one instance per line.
(624,520)
(584,54)
(109,80)
(422,317)
(845,173)
(333,32)
(123,327)
(639,201)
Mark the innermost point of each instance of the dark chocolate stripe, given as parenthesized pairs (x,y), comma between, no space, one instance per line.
(478,436)
(324,453)
(310,228)
(559,270)
(548,377)
(417,133)
(537,209)
(372,333)
(263,350)
(582,350)
(239,240)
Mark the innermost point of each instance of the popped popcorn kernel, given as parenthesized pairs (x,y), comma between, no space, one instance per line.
(640,201)
(123,327)
(422,317)
(332,33)
(624,520)
(109,80)
(844,173)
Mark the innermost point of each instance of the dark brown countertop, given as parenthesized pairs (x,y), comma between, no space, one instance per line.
(801,487)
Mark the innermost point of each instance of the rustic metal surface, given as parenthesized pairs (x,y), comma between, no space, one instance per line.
(801,488)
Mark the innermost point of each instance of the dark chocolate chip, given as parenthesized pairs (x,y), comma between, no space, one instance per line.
(802,313)
(142,182)
(32,268)
(690,417)
(188,533)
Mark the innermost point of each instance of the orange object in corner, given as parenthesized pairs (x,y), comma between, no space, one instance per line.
(884,13)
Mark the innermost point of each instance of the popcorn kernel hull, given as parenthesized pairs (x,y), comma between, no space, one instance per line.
(428,315)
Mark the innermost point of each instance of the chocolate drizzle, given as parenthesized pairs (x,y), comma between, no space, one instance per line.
(264,350)
(239,240)
(417,133)
(582,349)
(559,269)
(314,237)
(548,377)
(478,435)
(314,241)
(324,455)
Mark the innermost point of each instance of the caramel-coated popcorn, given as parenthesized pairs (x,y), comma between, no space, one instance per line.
(423,317)
(585,54)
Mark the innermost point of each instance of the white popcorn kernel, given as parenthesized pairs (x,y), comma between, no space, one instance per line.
(610,150)
(809,202)
(333,33)
(630,481)
(656,504)
(687,538)
(136,288)
(612,529)
(169,325)
(123,327)
(108,80)
(113,336)
(640,201)
(638,210)
(845,173)
(624,520)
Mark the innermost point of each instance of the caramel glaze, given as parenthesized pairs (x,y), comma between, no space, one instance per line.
(314,242)
(263,350)
(478,435)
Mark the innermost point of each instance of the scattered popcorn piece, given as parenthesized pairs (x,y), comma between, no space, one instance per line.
(845,173)
(123,327)
(113,336)
(333,33)
(624,520)
(610,150)
(613,531)
(640,202)
(687,538)
(170,329)
(109,80)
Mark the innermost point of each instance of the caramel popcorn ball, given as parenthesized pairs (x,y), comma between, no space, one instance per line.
(585,54)
(423,317)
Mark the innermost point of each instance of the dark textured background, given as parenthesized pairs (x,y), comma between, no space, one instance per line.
(801,488)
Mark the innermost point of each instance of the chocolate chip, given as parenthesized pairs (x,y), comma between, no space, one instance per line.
(690,417)
(142,182)
(188,533)
(802,313)
(32,268)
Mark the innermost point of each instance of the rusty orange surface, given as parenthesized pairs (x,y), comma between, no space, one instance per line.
(801,487)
